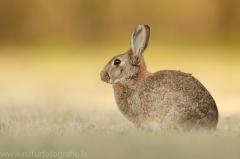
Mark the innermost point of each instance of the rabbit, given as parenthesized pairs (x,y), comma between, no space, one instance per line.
(167,100)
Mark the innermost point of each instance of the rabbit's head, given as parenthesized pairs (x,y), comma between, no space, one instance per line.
(130,64)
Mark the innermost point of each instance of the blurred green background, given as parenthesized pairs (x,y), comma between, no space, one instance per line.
(52,52)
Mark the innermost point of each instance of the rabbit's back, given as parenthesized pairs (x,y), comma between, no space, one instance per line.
(188,101)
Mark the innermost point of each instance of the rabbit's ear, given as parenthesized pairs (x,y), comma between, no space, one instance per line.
(140,38)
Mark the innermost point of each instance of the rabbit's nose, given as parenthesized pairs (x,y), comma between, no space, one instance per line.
(105,76)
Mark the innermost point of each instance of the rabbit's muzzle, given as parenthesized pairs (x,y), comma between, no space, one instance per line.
(105,76)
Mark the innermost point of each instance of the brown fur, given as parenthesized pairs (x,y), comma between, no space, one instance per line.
(167,100)
(142,68)
(172,98)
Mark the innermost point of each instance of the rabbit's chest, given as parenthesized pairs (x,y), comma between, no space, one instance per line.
(128,101)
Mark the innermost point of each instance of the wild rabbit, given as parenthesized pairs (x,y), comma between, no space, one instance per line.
(167,100)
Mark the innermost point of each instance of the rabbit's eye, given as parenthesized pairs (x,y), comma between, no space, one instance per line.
(117,62)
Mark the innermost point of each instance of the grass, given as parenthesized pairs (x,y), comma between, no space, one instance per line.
(106,134)
(52,102)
